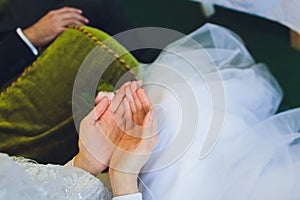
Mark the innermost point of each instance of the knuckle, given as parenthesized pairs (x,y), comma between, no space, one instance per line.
(57,30)
(72,15)
(50,13)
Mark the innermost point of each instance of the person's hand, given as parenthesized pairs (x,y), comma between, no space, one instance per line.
(53,24)
(89,134)
(136,146)
(99,132)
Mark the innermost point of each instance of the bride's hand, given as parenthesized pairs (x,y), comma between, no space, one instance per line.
(100,133)
(135,147)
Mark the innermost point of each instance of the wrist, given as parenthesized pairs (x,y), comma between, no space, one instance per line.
(88,164)
(123,183)
(30,34)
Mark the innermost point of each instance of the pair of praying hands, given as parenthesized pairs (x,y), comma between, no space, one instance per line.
(119,133)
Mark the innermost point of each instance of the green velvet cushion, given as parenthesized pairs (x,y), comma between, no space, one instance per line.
(36,110)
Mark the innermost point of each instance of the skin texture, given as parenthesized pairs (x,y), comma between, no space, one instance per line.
(99,134)
(121,131)
(53,24)
(136,146)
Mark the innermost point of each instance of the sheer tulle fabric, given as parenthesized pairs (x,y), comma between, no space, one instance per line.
(257,154)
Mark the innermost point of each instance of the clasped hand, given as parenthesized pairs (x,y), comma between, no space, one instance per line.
(119,133)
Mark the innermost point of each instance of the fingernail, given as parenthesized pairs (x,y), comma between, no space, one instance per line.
(140,83)
(100,94)
(128,94)
(110,96)
(104,99)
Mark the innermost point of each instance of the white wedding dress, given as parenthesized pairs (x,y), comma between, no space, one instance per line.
(219,137)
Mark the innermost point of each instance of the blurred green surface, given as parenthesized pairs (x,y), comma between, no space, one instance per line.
(266,40)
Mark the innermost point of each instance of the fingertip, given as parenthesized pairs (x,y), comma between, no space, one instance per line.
(133,86)
(139,83)
(142,95)
(98,97)
(101,95)
(110,96)
(78,10)
(86,20)
(124,86)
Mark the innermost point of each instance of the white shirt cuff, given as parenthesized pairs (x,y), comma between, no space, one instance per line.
(27,42)
(135,196)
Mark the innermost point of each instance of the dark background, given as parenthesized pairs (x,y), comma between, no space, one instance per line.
(267,41)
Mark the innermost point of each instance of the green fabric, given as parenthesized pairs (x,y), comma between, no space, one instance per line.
(36,110)
(2,5)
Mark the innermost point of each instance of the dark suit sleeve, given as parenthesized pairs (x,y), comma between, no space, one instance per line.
(106,15)
(15,55)
(109,16)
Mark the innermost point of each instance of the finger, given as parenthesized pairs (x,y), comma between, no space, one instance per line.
(133,86)
(67,9)
(140,111)
(119,96)
(139,83)
(118,115)
(98,110)
(120,121)
(73,16)
(127,115)
(150,124)
(125,85)
(101,95)
(145,101)
(132,105)
(68,22)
